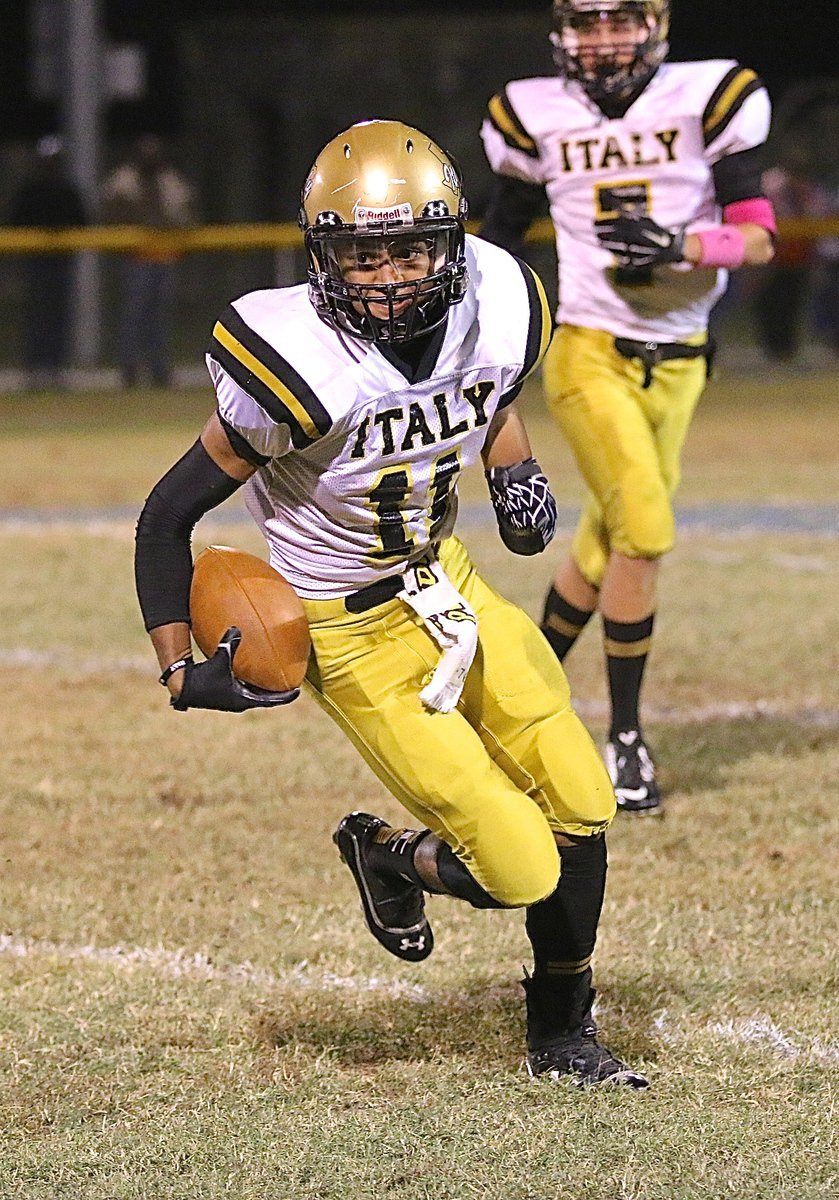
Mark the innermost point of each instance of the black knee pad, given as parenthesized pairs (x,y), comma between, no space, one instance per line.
(458,880)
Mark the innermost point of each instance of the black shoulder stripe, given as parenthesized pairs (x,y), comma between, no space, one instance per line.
(541,324)
(241,445)
(510,395)
(727,99)
(505,119)
(261,371)
(263,395)
(717,93)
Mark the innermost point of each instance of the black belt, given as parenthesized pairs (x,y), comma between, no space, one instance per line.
(653,353)
(374,594)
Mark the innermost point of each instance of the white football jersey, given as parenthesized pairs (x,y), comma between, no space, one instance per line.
(360,456)
(657,159)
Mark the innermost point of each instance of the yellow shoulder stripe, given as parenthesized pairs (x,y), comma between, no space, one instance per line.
(727,100)
(267,377)
(508,127)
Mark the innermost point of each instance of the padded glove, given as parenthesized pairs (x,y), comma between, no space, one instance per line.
(638,241)
(213,685)
(524,506)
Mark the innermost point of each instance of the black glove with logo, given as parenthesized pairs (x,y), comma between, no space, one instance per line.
(213,685)
(638,241)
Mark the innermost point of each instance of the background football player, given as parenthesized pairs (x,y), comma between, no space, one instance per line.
(348,409)
(652,174)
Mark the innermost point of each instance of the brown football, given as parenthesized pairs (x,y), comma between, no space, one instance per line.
(231,587)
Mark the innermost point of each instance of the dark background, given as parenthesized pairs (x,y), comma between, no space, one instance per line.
(246,92)
(784,40)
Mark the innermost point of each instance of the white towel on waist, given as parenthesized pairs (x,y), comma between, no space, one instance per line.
(453,625)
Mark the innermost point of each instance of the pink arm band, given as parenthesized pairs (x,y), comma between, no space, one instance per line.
(757,211)
(722,246)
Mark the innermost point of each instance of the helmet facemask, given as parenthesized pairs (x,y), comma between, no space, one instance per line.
(383,215)
(390,284)
(612,48)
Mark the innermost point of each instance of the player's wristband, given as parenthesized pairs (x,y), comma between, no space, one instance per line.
(756,211)
(722,246)
(178,665)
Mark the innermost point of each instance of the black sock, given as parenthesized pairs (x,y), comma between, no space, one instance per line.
(392,852)
(563,928)
(562,623)
(627,645)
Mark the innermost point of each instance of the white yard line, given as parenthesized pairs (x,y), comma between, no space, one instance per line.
(808,716)
(66,660)
(802,564)
(734,518)
(732,710)
(760,1029)
(179,964)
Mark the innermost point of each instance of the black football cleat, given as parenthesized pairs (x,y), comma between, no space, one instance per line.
(562,1040)
(394,908)
(632,774)
(583,1062)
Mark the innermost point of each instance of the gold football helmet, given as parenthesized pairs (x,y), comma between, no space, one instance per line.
(382,212)
(615,71)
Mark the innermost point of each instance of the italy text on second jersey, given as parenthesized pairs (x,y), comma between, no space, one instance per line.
(658,159)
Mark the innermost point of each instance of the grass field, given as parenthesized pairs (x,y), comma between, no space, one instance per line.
(192,1006)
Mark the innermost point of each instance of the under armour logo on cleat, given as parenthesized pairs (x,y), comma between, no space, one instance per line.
(413,943)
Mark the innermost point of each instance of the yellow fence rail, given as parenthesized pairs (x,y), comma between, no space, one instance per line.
(261,236)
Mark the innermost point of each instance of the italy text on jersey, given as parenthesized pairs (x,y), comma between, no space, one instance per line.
(375,452)
(656,159)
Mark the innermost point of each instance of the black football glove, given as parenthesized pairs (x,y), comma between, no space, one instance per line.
(524,506)
(213,685)
(638,241)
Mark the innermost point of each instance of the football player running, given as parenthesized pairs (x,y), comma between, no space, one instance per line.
(347,409)
(652,173)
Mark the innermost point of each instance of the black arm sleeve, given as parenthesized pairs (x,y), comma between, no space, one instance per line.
(738,177)
(513,206)
(162,554)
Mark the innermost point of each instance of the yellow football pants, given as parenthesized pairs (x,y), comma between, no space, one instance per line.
(627,441)
(498,775)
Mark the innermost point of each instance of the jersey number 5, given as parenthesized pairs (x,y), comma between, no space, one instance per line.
(613,199)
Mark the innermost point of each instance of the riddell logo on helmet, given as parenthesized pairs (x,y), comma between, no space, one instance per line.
(373,216)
